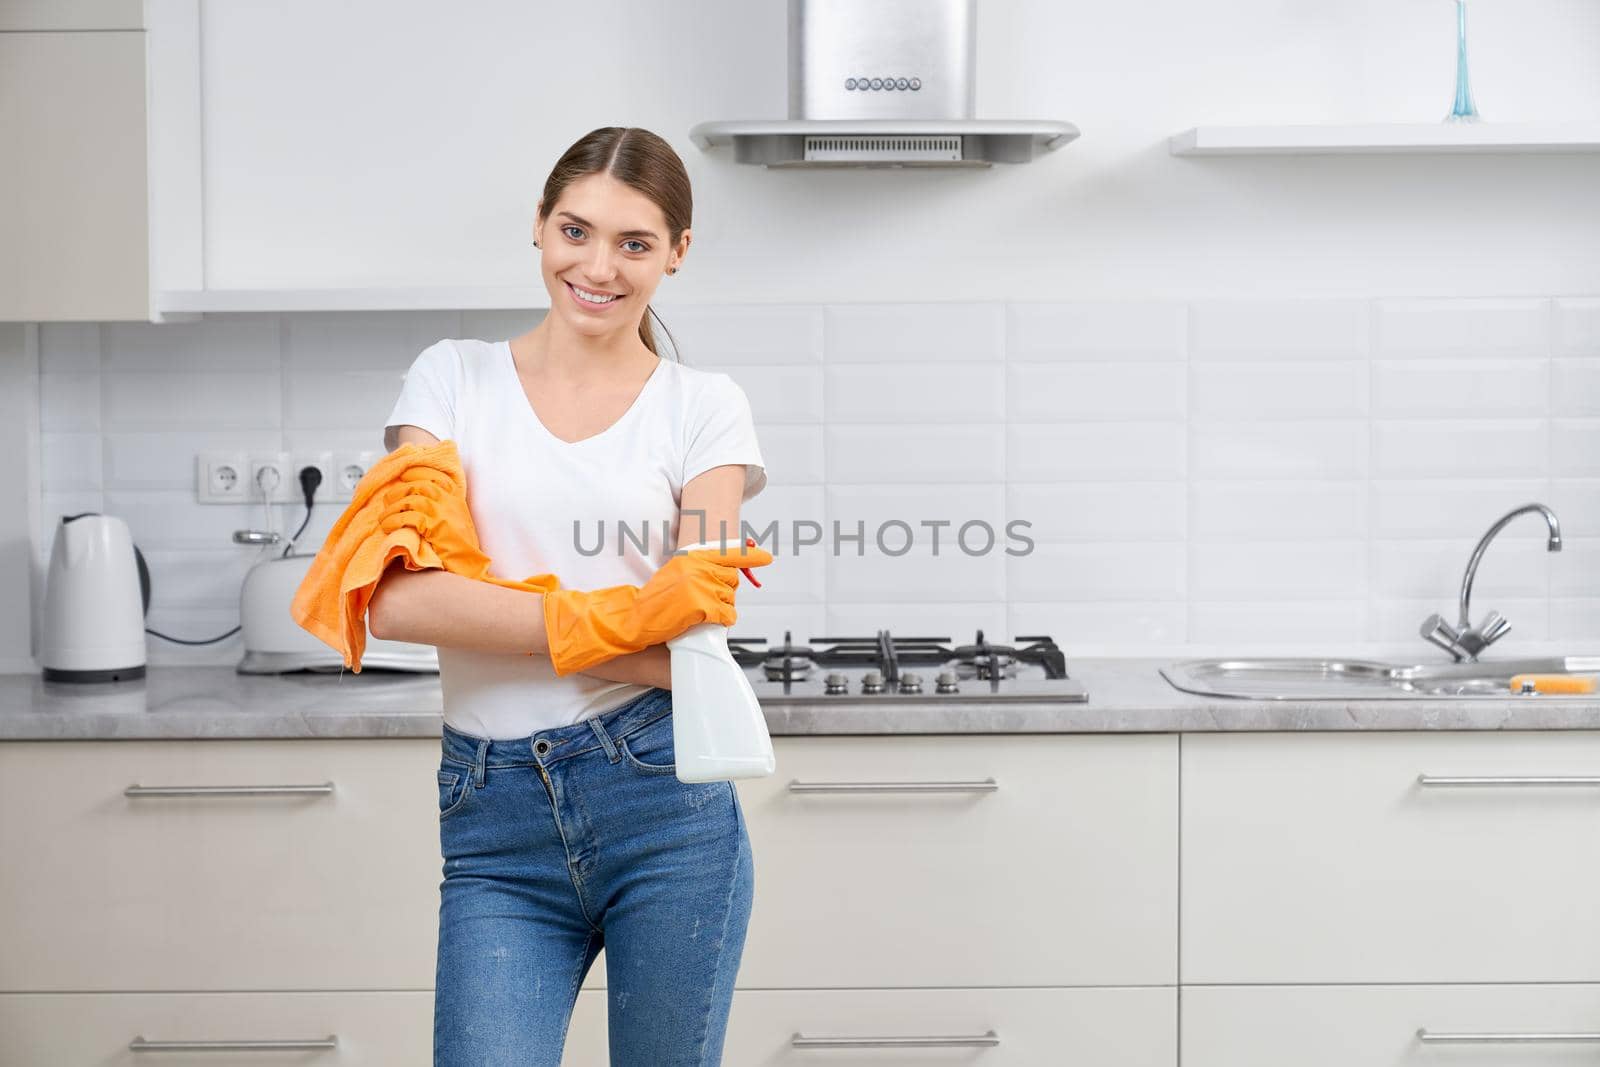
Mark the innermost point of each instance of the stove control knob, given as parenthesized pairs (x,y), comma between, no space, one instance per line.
(910,683)
(836,683)
(947,682)
(872,682)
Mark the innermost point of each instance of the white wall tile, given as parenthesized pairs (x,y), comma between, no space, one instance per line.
(763,334)
(1458,387)
(778,394)
(1439,508)
(1278,570)
(1152,570)
(939,454)
(167,460)
(913,333)
(1260,390)
(1575,447)
(1250,625)
(1576,502)
(338,399)
(1278,330)
(958,621)
(357,341)
(66,347)
(1100,511)
(71,461)
(1311,448)
(877,393)
(1460,448)
(1104,451)
(923,508)
(793,453)
(1094,627)
(1575,620)
(1575,386)
(1577,325)
(918,576)
(249,344)
(1082,392)
(1419,569)
(69,401)
(1277,510)
(154,400)
(1112,330)
(1517,327)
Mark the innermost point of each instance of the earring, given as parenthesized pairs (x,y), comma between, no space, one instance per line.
(672,270)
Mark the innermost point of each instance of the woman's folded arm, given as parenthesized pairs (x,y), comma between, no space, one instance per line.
(435,607)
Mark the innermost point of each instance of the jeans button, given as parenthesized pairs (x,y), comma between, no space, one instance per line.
(542,747)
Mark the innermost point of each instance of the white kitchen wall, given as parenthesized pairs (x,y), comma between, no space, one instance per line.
(1205,476)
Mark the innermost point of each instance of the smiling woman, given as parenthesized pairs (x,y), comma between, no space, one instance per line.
(580,425)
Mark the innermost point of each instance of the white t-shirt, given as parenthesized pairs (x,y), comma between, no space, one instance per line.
(526,488)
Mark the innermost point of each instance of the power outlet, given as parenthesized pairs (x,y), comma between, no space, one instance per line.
(348,470)
(222,478)
(270,478)
(323,461)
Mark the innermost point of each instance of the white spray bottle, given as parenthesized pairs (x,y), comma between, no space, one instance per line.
(718,730)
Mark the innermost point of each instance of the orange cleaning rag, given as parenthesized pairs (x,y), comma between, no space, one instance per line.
(411,504)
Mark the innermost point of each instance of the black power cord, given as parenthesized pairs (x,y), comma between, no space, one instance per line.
(310,478)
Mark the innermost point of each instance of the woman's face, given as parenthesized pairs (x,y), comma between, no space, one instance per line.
(604,237)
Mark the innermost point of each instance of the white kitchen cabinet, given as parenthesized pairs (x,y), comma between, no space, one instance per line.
(999,1027)
(102,891)
(1320,857)
(1126,1027)
(1378,1026)
(187,917)
(1064,874)
(74,221)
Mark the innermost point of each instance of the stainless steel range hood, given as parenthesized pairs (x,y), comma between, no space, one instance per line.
(888,83)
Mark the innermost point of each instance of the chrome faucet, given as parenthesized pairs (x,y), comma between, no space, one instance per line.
(1465,641)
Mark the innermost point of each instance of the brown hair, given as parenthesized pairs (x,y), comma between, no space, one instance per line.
(638,158)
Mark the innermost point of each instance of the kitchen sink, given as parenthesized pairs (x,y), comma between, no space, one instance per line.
(1356,679)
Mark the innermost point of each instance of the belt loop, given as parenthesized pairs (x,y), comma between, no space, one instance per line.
(480,762)
(605,739)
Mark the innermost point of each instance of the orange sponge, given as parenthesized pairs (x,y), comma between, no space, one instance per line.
(1555,683)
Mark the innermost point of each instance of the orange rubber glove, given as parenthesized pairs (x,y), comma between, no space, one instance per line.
(589,627)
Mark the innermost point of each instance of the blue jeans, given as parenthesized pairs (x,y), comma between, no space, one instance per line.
(575,838)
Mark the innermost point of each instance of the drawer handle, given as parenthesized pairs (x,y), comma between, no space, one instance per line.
(139,1044)
(985,1040)
(1505,1039)
(988,785)
(1433,779)
(223,790)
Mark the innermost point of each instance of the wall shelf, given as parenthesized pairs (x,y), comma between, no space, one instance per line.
(1525,137)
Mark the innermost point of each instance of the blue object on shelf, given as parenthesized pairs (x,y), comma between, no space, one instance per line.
(1462,110)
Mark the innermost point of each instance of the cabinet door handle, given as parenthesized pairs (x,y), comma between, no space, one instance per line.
(987,1039)
(139,1044)
(988,785)
(224,790)
(1434,779)
(1504,1039)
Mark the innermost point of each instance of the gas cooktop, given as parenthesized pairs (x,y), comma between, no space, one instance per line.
(905,669)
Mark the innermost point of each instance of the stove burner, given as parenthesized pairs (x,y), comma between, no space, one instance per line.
(887,654)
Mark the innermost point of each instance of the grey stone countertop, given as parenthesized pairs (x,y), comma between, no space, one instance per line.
(1126,695)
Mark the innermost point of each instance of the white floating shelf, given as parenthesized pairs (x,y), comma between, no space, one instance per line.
(1387,137)
(485,298)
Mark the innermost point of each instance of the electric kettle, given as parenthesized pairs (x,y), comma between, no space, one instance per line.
(96,594)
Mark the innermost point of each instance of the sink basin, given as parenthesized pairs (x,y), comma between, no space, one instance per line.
(1355,679)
